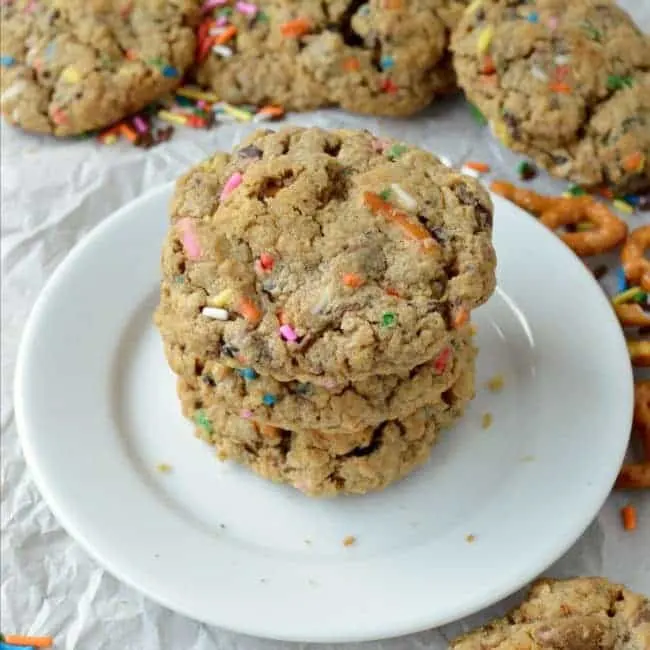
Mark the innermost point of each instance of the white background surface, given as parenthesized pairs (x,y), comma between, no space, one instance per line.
(53,193)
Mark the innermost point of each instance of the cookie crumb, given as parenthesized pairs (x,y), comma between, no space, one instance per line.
(495,384)
(163,468)
(349,540)
(470,539)
(486,420)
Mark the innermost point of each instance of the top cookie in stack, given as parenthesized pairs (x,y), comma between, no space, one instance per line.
(318,280)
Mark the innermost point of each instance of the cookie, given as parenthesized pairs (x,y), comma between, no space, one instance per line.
(324,257)
(320,464)
(566,83)
(576,614)
(348,407)
(377,57)
(71,66)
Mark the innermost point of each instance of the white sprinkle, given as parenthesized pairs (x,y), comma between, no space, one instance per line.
(562,59)
(404,198)
(222,51)
(262,117)
(216,313)
(445,161)
(215,31)
(468,171)
(15,89)
(538,73)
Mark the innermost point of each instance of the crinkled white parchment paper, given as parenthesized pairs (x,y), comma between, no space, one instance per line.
(53,193)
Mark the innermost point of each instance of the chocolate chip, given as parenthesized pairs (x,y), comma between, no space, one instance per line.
(207,379)
(512,123)
(251,151)
(229,350)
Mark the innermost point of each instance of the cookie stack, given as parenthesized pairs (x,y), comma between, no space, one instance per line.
(315,304)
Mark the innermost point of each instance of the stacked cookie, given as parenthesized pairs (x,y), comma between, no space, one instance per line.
(315,304)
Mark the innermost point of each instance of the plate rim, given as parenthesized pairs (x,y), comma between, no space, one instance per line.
(67,521)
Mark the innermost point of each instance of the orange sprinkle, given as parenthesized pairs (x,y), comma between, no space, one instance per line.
(282,319)
(634,162)
(225,36)
(131,54)
(392,4)
(559,87)
(34,641)
(478,166)
(460,317)
(272,111)
(412,229)
(128,132)
(561,72)
(606,192)
(351,64)
(392,292)
(489,80)
(389,86)
(269,431)
(296,28)
(353,280)
(487,65)
(628,515)
(249,310)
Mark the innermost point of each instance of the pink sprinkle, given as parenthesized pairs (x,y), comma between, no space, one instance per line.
(222,21)
(379,145)
(209,5)
(553,22)
(247,8)
(140,124)
(231,185)
(202,104)
(288,333)
(189,238)
(246,414)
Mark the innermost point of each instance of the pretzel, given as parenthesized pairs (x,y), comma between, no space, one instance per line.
(639,351)
(631,314)
(641,425)
(608,230)
(635,265)
(633,476)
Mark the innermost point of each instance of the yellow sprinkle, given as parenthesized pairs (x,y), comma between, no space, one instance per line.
(470,538)
(500,130)
(174,118)
(495,384)
(221,299)
(197,93)
(109,139)
(567,195)
(349,540)
(473,330)
(70,75)
(623,206)
(486,420)
(625,296)
(583,226)
(473,6)
(164,468)
(237,113)
(484,39)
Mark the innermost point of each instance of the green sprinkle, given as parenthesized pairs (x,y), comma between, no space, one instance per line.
(385,194)
(226,11)
(179,279)
(576,190)
(526,170)
(202,420)
(616,82)
(388,319)
(642,296)
(262,17)
(396,151)
(593,33)
(477,115)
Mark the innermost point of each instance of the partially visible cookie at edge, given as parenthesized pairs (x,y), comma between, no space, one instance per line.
(565,83)
(370,57)
(573,614)
(331,255)
(71,66)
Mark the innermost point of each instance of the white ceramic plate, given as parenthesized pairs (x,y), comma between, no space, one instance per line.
(97,413)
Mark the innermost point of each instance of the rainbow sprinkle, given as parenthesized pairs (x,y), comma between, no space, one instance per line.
(231,185)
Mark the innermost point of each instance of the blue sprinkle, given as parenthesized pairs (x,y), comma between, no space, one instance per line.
(533,17)
(632,199)
(169,71)
(386,62)
(248,373)
(6,59)
(269,399)
(621,280)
